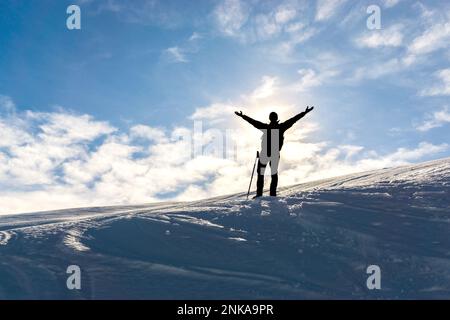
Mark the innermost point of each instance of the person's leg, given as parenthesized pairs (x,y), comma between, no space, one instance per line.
(273,185)
(274,173)
(260,182)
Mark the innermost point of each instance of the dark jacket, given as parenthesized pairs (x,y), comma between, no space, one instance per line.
(267,127)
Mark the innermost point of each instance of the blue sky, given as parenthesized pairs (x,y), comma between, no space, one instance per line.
(139,71)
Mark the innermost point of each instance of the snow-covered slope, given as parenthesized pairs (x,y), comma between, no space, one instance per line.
(314,241)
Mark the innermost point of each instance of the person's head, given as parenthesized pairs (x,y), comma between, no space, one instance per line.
(273,117)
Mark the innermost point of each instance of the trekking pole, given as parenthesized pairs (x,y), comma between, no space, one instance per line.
(253,171)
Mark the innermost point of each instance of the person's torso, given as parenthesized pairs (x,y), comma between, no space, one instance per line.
(272,139)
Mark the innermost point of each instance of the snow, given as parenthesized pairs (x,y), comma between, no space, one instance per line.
(315,240)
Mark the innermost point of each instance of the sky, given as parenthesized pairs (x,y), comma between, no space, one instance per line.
(138,105)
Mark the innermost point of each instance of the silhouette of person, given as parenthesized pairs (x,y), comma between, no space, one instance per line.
(271,144)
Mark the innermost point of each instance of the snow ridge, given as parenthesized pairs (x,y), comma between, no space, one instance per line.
(314,241)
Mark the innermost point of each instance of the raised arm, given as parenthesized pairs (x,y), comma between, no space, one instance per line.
(289,123)
(253,122)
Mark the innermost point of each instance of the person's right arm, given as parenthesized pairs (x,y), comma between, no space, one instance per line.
(257,124)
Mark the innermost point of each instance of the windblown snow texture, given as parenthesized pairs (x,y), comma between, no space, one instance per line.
(314,241)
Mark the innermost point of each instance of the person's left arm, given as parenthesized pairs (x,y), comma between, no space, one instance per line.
(289,123)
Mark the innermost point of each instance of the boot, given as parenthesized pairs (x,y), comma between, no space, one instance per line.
(273,185)
(259,185)
(260,181)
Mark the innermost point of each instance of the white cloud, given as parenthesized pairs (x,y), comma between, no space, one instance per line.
(279,24)
(266,26)
(327,8)
(310,78)
(294,27)
(214,112)
(285,14)
(12,134)
(59,160)
(230,16)
(318,161)
(287,47)
(149,133)
(442,88)
(390,3)
(6,103)
(436,36)
(274,23)
(266,89)
(403,155)
(180,52)
(435,120)
(195,36)
(66,128)
(37,143)
(379,69)
(351,150)
(143,12)
(391,37)
(176,54)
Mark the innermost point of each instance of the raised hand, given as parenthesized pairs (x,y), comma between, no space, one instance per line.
(309,109)
(238,113)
